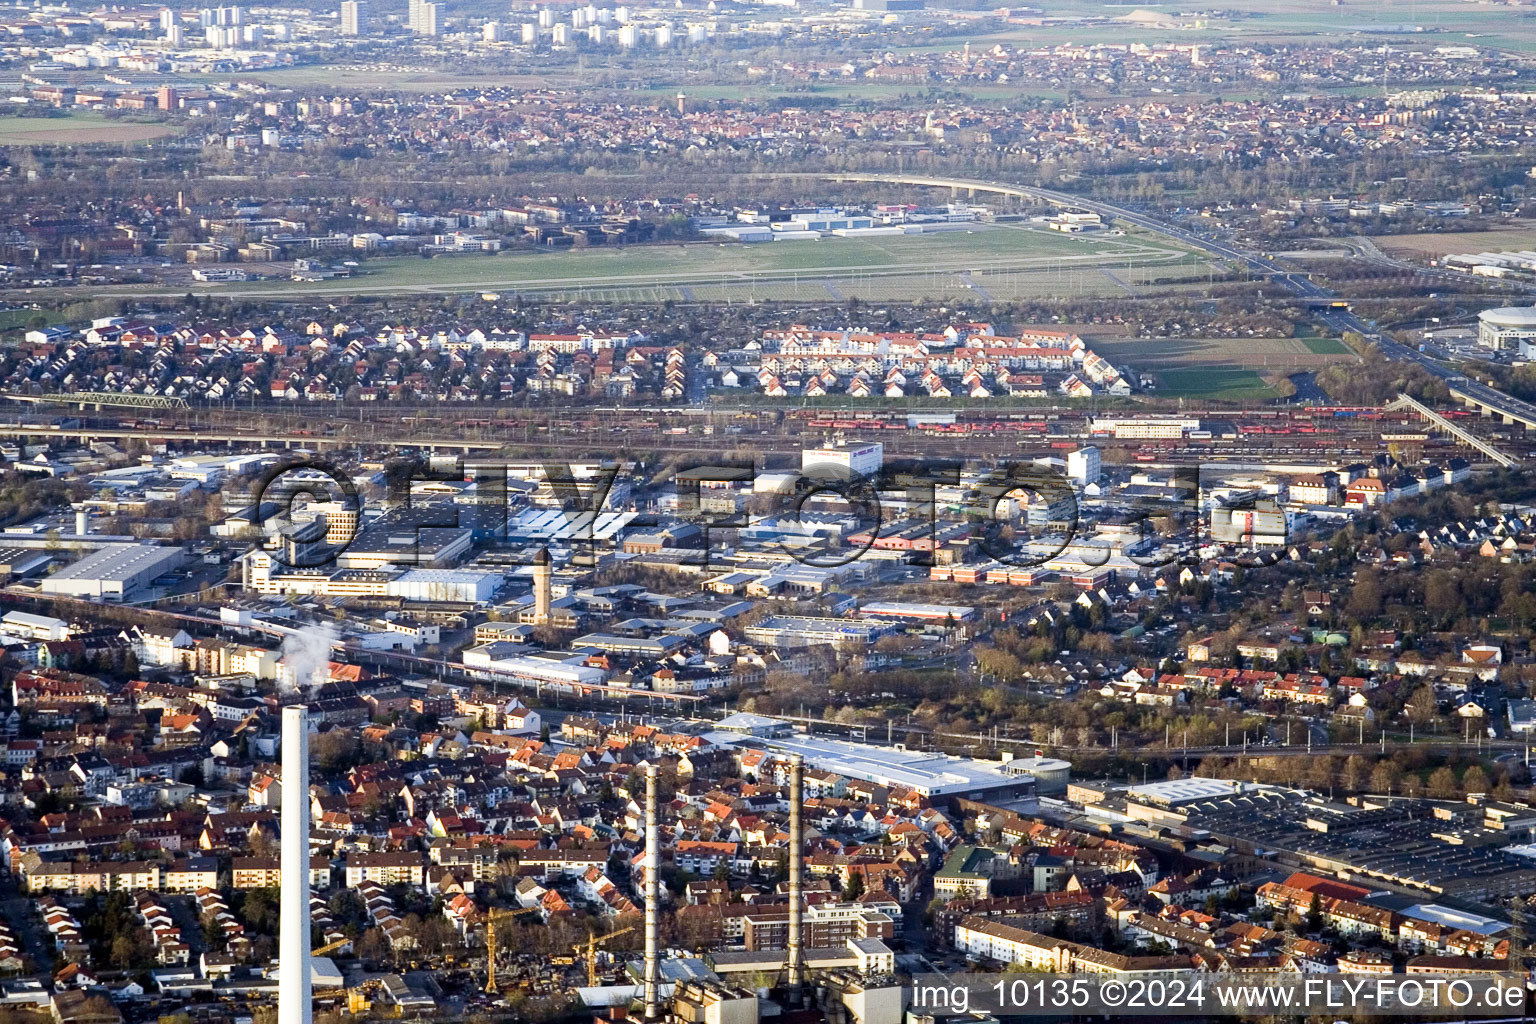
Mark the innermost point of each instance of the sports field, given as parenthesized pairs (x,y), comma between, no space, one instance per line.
(75,129)
(990,262)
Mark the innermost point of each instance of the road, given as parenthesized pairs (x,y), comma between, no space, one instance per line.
(1299,285)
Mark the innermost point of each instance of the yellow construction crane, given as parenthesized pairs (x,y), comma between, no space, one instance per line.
(589,950)
(330,947)
(490,943)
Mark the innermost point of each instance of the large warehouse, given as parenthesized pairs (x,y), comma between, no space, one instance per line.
(117,572)
(933,776)
(789,631)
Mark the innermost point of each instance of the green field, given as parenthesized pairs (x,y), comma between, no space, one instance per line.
(1012,259)
(1265,355)
(13,322)
(1227,384)
(78,128)
(10,319)
(389,77)
(1226,369)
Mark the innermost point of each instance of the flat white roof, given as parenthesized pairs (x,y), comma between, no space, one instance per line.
(1041,764)
(556,524)
(119,562)
(929,773)
(1452,918)
(1509,316)
(748,720)
(1185,791)
(915,609)
(444,576)
(28,619)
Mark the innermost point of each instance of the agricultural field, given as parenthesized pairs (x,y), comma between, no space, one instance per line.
(1226,369)
(1265,355)
(1221,384)
(76,129)
(993,262)
(1520,236)
(393,77)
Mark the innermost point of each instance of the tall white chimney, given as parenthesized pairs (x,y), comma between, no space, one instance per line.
(652,898)
(295,1004)
(82,522)
(541,588)
(796,857)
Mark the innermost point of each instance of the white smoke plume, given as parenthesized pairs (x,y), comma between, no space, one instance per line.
(304,653)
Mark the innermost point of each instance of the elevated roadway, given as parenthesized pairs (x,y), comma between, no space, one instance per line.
(1460,433)
(1488,400)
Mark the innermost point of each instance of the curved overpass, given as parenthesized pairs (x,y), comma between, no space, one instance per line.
(1057,198)
(1490,401)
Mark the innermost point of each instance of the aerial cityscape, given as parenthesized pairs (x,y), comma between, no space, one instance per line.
(740,511)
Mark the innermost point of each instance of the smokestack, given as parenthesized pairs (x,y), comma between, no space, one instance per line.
(294,995)
(82,522)
(796,856)
(541,588)
(652,895)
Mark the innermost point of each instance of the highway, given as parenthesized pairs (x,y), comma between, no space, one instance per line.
(1494,401)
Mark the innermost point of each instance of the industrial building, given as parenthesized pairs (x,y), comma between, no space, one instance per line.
(557,526)
(933,776)
(1085,466)
(34,627)
(921,612)
(506,658)
(262,573)
(810,630)
(117,572)
(1179,792)
(844,461)
(1408,845)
